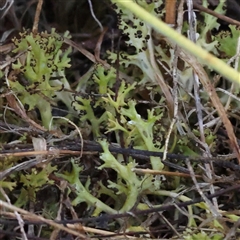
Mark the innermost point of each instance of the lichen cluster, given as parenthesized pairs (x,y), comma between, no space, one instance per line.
(129,113)
(117,115)
(41,58)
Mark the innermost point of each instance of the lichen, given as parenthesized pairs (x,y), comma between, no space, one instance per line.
(40,59)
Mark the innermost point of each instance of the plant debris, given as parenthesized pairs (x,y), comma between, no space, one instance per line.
(110,130)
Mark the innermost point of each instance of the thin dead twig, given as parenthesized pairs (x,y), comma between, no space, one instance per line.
(37,16)
(97,49)
(165,173)
(92,58)
(5,6)
(94,16)
(210,89)
(18,216)
(215,14)
(211,207)
(42,219)
(193,37)
(20,111)
(175,82)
